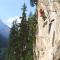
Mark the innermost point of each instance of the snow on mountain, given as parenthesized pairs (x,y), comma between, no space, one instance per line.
(4,34)
(4,29)
(10,20)
(5,25)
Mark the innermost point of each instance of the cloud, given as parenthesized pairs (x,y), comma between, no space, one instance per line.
(10,20)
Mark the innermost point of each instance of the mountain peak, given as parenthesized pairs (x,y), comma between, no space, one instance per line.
(4,29)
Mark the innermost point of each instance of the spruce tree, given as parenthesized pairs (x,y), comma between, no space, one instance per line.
(13,41)
(23,34)
(32,35)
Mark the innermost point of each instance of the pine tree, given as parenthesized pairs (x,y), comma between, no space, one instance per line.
(32,35)
(13,41)
(23,34)
(22,38)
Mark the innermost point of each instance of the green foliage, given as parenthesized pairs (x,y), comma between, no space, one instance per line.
(23,34)
(22,38)
(32,35)
(13,41)
(33,2)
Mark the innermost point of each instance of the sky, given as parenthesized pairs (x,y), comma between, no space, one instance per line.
(10,9)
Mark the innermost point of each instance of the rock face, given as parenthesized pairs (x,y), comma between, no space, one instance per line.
(48,36)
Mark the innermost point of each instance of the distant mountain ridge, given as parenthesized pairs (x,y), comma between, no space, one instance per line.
(4,35)
(4,29)
(3,42)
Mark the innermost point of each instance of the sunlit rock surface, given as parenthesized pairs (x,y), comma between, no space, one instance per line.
(48,36)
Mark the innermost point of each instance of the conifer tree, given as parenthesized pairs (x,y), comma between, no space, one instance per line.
(23,34)
(13,41)
(33,2)
(22,38)
(32,35)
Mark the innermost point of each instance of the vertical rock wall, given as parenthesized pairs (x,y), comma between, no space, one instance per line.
(48,34)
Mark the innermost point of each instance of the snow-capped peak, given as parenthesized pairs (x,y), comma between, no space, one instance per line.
(10,20)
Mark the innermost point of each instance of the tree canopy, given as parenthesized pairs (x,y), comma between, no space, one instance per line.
(33,2)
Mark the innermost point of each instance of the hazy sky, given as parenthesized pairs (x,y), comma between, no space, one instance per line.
(12,8)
